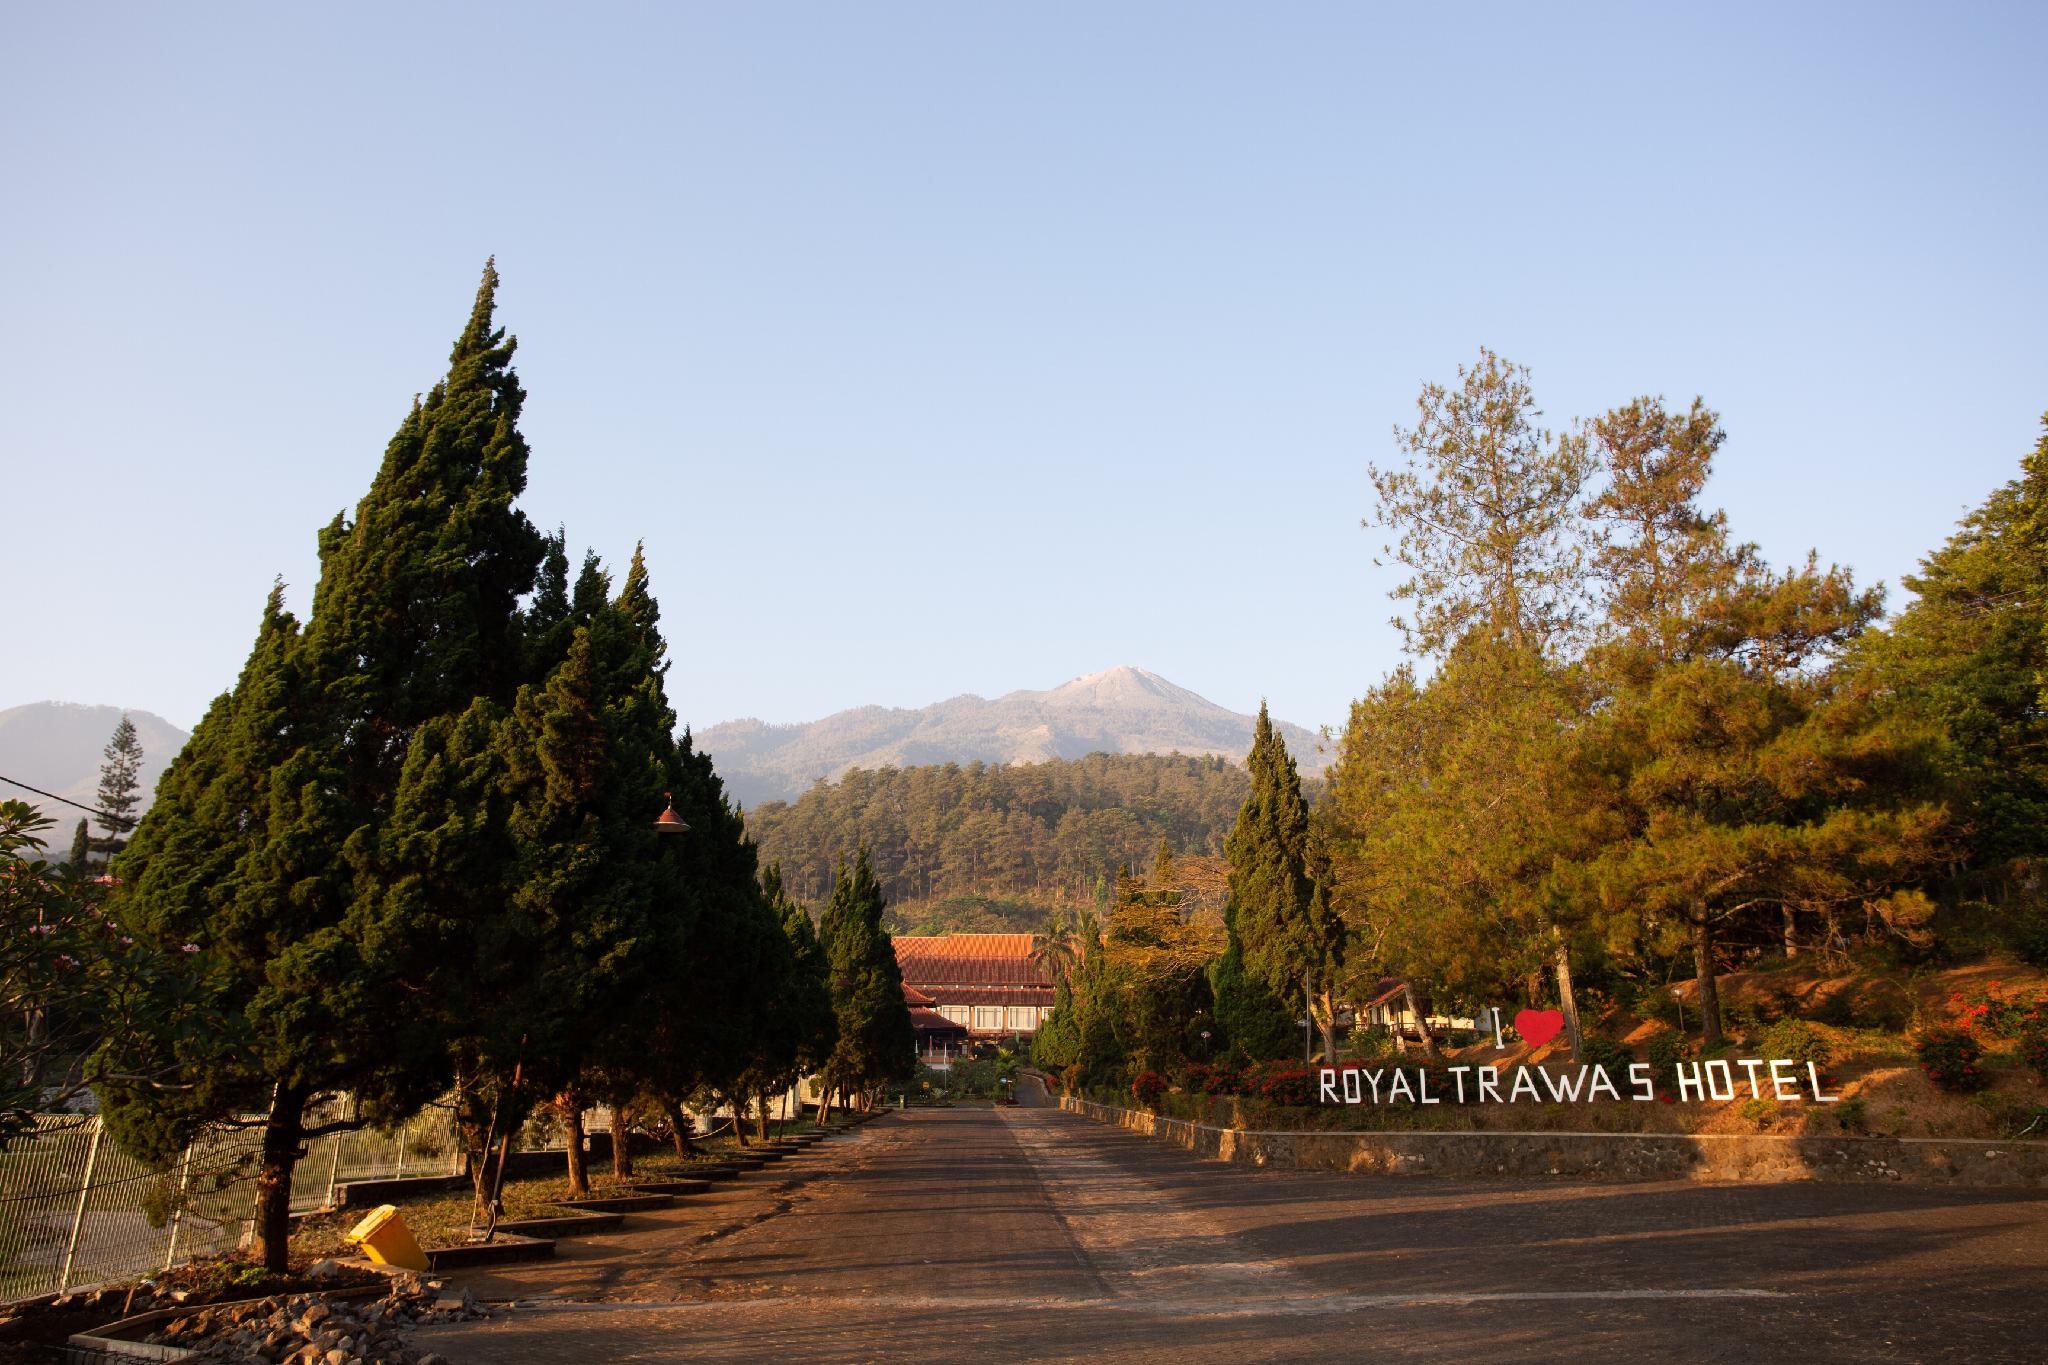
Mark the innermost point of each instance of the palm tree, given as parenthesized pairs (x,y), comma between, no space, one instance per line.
(1059,945)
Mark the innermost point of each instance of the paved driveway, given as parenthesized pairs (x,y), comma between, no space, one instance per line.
(965,1234)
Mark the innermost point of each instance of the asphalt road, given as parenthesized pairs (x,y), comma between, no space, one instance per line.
(959,1234)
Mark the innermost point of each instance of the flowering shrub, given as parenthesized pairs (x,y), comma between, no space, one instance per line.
(1221,1079)
(75,983)
(1147,1087)
(1951,1058)
(1281,1083)
(2002,1015)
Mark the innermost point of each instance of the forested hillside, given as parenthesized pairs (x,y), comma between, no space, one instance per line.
(981,846)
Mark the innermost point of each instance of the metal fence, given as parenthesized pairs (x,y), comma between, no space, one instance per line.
(75,1210)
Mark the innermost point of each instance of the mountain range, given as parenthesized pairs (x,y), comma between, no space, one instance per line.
(58,746)
(1122,710)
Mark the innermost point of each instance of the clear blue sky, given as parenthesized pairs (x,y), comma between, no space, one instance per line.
(955,348)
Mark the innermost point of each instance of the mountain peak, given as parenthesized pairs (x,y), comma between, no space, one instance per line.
(1124,685)
(1120,710)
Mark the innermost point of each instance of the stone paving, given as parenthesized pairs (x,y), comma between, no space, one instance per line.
(1032,1234)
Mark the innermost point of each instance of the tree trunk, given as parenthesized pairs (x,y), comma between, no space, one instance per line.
(824,1105)
(1567,1004)
(761,1118)
(1418,1004)
(679,1129)
(739,1119)
(622,1141)
(1709,1001)
(1328,1003)
(1791,932)
(281,1152)
(571,1108)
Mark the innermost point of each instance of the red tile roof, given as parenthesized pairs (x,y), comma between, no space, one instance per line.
(931,1021)
(914,997)
(969,960)
(992,995)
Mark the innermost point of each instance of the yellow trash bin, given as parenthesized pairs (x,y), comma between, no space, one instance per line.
(385,1239)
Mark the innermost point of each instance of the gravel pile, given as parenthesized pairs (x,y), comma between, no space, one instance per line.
(309,1329)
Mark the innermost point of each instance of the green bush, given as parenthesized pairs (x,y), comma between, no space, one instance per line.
(1147,1087)
(1598,1051)
(2034,1046)
(1796,1041)
(1952,1059)
(1666,1051)
(1758,1111)
(2027,931)
(1851,1115)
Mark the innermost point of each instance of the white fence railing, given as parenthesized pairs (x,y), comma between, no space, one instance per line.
(75,1210)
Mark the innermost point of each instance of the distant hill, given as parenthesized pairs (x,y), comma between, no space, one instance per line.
(57,745)
(1118,711)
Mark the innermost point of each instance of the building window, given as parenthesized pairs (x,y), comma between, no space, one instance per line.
(989,1017)
(1020,1018)
(957,1013)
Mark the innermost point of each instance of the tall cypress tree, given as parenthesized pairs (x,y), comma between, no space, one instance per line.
(1280,921)
(414,618)
(876,1041)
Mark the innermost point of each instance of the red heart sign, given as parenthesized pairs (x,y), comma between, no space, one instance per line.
(1538,1026)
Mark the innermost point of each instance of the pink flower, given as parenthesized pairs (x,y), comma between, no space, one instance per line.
(189,948)
(42,929)
(66,961)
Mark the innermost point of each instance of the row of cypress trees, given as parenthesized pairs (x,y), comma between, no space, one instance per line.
(412,852)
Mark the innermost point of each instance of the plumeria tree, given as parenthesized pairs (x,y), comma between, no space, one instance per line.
(71,981)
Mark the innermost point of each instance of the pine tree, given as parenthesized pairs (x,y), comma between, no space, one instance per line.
(1484,511)
(1280,919)
(1731,768)
(120,785)
(1970,655)
(80,858)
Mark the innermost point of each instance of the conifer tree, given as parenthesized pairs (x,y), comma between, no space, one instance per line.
(199,871)
(414,619)
(807,1001)
(79,860)
(1484,514)
(875,1040)
(598,906)
(1280,921)
(120,785)
(1969,655)
(1732,768)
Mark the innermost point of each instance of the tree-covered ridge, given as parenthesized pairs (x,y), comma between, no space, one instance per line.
(1043,833)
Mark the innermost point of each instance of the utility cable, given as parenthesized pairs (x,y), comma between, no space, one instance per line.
(90,810)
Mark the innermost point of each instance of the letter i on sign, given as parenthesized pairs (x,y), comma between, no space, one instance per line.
(1495,1010)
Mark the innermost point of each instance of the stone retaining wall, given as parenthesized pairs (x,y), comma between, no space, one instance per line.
(1601,1156)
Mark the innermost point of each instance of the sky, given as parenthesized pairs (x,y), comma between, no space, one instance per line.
(964,348)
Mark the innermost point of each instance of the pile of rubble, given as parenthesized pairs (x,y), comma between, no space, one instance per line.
(310,1329)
